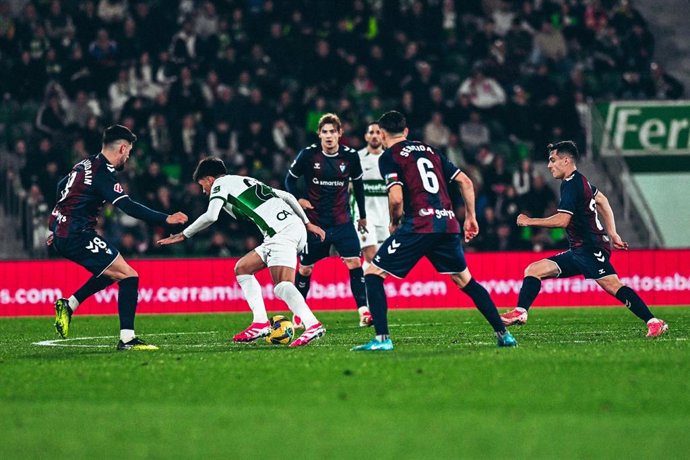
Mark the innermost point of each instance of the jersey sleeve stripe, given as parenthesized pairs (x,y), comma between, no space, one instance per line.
(119,198)
(292,174)
(457,171)
(358,177)
(218,198)
(565,211)
(397,182)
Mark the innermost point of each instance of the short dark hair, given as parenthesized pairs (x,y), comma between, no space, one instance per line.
(566,148)
(393,122)
(116,132)
(370,124)
(209,166)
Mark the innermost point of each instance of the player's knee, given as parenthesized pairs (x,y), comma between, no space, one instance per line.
(353,262)
(305,270)
(282,289)
(533,270)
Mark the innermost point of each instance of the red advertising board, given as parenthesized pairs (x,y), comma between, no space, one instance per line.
(661,277)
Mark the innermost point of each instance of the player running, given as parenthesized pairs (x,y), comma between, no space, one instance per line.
(284,226)
(81,196)
(579,210)
(422,224)
(328,169)
(375,196)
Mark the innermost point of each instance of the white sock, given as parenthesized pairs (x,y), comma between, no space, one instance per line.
(73,303)
(252,292)
(288,293)
(363,310)
(520,309)
(382,338)
(365,265)
(126,335)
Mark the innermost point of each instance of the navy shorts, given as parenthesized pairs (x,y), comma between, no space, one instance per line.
(402,250)
(591,262)
(342,237)
(88,249)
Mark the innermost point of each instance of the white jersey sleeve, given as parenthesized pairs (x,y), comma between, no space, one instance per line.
(375,193)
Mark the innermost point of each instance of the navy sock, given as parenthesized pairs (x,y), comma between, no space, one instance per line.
(378,305)
(92,286)
(127,301)
(302,284)
(359,290)
(634,303)
(484,304)
(528,292)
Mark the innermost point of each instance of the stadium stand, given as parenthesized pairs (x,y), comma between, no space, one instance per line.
(490,82)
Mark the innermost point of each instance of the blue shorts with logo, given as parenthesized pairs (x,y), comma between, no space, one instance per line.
(593,263)
(88,249)
(342,237)
(402,250)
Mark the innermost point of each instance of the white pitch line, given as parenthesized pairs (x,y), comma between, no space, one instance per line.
(61,342)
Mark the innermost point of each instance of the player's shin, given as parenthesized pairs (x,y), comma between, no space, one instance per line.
(358,287)
(127,307)
(252,292)
(302,284)
(484,304)
(92,286)
(288,293)
(528,292)
(378,305)
(634,303)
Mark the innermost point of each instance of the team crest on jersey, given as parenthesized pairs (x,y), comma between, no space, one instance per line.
(342,167)
(317,165)
(117,188)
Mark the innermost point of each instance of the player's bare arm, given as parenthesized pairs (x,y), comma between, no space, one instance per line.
(470,227)
(606,213)
(305,203)
(177,218)
(316,230)
(558,220)
(172,239)
(395,207)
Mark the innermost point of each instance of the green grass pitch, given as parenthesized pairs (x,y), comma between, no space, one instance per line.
(584,383)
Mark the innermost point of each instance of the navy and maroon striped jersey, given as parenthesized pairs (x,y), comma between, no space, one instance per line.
(577,199)
(423,174)
(327,177)
(81,195)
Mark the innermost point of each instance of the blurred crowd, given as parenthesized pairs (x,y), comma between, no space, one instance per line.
(488,82)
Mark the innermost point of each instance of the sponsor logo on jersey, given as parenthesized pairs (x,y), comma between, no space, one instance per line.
(375,188)
(118,188)
(59,217)
(439,213)
(328,183)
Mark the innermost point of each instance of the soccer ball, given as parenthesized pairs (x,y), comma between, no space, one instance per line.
(282,331)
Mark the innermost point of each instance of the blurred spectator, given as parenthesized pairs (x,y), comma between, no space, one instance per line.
(436,133)
(474,132)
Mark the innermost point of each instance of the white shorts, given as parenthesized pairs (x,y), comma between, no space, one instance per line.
(281,249)
(376,234)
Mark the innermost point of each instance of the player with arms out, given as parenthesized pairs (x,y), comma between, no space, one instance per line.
(579,210)
(375,196)
(328,168)
(284,226)
(422,224)
(81,196)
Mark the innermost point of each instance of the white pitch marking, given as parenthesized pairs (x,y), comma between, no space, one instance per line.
(61,342)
